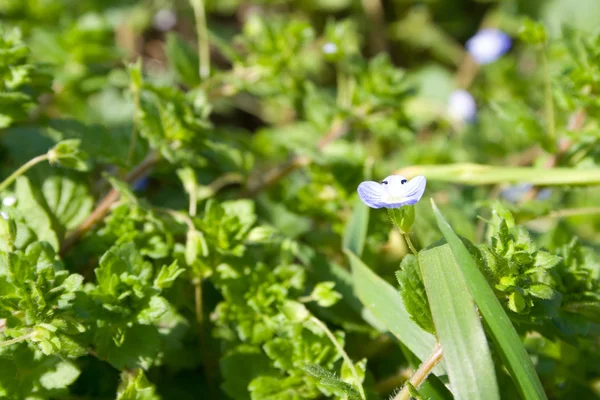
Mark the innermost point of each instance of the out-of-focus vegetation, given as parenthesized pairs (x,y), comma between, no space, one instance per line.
(179,209)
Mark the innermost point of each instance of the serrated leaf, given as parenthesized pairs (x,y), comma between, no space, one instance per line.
(542,291)
(413,293)
(546,260)
(331,382)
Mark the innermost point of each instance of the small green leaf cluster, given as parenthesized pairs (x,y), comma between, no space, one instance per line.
(514,265)
(21,80)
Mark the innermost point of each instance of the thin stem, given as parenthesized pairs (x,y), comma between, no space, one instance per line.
(16,340)
(104,206)
(8,181)
(177,215)
(339,127)
(193,201)
(203,43)
(342,352)
(548,95)
(421,374)
(374,12)
(410,244)
(198,302)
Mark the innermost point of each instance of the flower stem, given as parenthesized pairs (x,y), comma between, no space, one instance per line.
(203,44)
(342,352)
(410,244)
(421,374)
(8,181)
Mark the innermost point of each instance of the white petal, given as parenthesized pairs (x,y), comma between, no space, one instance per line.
(372,194)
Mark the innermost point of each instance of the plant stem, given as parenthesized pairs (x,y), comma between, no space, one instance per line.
(421,374)
(198,306)
(193,201)
(16,340)
(104,206)
(374,12)
(203,43)
(342,352)
(410,244)
(548,95)
(8,181)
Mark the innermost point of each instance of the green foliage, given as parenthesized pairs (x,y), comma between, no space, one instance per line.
(413,293)
(21,80)
(168,231)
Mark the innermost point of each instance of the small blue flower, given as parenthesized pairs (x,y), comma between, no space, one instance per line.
(488,45)
(141,184)
(461,106)
(395,191)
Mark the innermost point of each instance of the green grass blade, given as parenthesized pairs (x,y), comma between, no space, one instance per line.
(478,174)
(466,352)
(355,232)
(385,303)
(508,343)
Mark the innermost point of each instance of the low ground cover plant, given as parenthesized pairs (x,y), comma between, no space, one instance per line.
(299,199)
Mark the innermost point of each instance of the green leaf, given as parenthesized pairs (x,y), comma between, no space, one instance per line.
(68,155)
(33,208)
(507,341)
(68,199)
(331,382)
(167,275)
(386,304)
(295,312)
(62,376)
(532,32)
(183,59)
(324,294)
(355,232)
(135,386)
(478,174)
(402,218)
(466,352)
(542,291)
(413,293)
(546,260)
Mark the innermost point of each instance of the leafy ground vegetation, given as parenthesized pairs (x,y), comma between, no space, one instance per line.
(180,216)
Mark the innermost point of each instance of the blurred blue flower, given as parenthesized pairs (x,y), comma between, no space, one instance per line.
(164,20)
(395,191)
(515,193)
(4,215)
(141,184)
(461,106)
(330,48)
(488,45)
